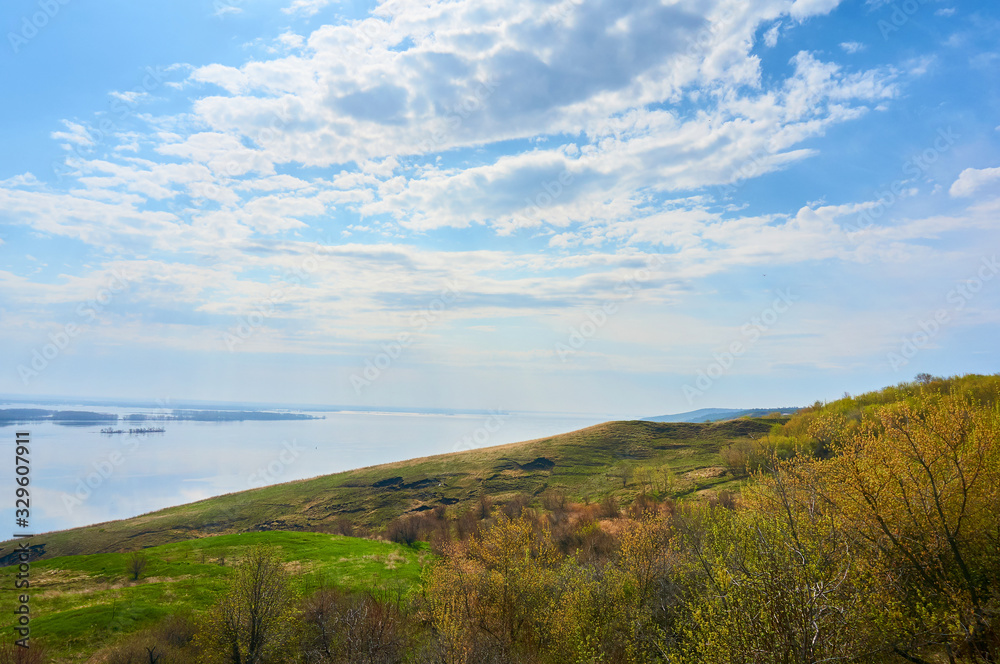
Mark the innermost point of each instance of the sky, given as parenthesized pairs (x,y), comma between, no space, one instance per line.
(615,206)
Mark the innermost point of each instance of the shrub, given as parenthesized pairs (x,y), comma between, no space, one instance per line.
(404,530)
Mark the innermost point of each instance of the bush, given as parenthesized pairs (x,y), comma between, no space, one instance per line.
(609,507)
(168,642)
(13,654)
(515,505)
(353,629)
(253,620)
(404,530)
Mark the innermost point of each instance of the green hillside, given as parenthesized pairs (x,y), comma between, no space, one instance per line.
(82,603)
(624,458)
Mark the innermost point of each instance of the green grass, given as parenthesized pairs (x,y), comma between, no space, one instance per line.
(82,599)
(82,603)
(588,464)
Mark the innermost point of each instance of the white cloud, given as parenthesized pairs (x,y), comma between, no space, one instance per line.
(972,180)
(852,47)
(804,8)
(131,97)
(23,180)
(605,141)
(78,135)
(223,9)
(771,36)
(308,7)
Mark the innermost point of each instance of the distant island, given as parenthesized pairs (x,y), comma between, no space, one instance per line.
(110,430)
(79,417)
(9,415)
(238,415)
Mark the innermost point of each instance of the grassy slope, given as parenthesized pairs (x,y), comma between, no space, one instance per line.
(82,603)
(587,463)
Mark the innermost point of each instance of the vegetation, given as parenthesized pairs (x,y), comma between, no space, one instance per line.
(252,621)
(621,458)
(864,530)
(83,605)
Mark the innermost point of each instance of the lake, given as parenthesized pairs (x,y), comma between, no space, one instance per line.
(80,476)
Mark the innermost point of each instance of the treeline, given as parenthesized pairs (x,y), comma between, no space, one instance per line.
(237,415)
(869,532)
(41,415)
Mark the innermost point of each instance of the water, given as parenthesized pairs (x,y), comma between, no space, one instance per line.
(80,476)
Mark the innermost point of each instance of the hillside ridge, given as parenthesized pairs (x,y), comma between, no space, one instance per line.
(583,464)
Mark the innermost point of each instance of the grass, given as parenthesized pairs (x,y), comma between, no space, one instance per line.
(677,459)
(82,603)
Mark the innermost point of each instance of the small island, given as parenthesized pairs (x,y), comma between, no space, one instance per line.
(141,430)
(80,417)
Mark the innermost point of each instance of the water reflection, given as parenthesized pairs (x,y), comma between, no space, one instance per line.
(81,476)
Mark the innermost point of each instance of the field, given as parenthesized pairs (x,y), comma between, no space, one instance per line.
(81,603)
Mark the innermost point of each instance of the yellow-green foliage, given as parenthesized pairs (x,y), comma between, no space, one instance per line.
(252,622)
(780,583)
(500,583)
(881,543)
(850,410)
(510,592)
(890,547)
(920,486)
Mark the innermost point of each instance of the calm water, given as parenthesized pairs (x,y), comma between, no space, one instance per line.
(80,476)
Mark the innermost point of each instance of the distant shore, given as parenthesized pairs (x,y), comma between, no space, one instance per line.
(11,415)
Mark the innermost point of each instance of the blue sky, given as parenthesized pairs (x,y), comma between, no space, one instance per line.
(615,206)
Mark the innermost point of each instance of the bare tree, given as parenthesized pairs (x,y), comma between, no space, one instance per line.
(251,622)
(137,562)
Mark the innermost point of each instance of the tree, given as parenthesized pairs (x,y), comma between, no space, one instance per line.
(921,485)
(251,622)
(495,594)
(137,562)
(404,529)
(779,582)
(367,629)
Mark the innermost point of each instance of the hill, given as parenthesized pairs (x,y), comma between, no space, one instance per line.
(718,414)
(623,458)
